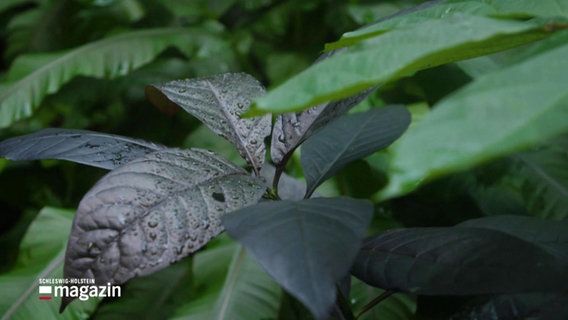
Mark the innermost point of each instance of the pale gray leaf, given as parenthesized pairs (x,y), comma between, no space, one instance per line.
(152,212)
(291,129)
(95,149)
(219,101)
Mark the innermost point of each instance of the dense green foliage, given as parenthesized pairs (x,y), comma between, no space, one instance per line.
(474,194)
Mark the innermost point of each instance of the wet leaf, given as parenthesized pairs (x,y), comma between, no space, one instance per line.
(349,138)
(307,246)
(152,212)
(219,101)
(95,149)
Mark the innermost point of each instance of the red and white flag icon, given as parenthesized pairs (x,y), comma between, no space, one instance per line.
(44,292)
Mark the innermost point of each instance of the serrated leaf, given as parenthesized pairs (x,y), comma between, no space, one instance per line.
(349,138)
(498,113)
(248,292)
(41,256)
(153,211)
(95,149)
(106,58)
(307,246)
(219,101)
(401,52)
(462,260)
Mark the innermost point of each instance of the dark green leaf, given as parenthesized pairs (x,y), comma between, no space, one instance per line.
(219,101)
(95,149)
(349,138)
(153,211)
(307,246)
(399,306)
(463,260)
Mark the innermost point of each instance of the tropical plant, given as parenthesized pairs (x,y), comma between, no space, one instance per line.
(468,206)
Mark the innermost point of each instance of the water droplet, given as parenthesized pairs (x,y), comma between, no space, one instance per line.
(281,138)
(240,105)
(296,124)
(152,224)
(179,250)
(182,90)
(253,141)
(218,196)
(152,236)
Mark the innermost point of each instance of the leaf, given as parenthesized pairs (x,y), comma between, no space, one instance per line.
(544,181)
(398,53)
(289,188)
(152,297)
(8,4)
(106,58)
(219,101)
(498,113)
(41,256)
(466,259)
(399,306)
(291,129)
(86,147)
(153,211)
(248,292)
(307,246)
(519,306)
(349,138)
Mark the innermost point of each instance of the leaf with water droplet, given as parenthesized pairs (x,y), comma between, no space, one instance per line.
(291,129)
(168,205)
(219,101)
(95,149)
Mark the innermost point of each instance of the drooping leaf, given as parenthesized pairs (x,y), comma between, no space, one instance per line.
(498,113)
(41,256)
(153,211)
(110,57)
(86,147)
(398,53)
(349,138)
(307,246)
(219,101)
(518,306)
(466,259)
(248,292)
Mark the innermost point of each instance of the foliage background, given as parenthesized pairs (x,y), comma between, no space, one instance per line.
(272,40)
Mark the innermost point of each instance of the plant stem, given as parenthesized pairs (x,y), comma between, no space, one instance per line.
(374,302)
(342,307)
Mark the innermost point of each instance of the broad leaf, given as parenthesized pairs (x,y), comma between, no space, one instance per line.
(219,101)
(519,306)
(466,259)
(153,211)
(106,58)
(398,53)
(248,292)
(41,256)
(497,114)
(349,138)
(307,246)
(86,147)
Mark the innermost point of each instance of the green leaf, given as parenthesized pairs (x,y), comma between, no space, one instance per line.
(107,58)
(248,292)
(498,113)
(307,246)
(154,211)
(349,138)
(7,4)
(484,256)
(399,306)
(399,53)
(41,256)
